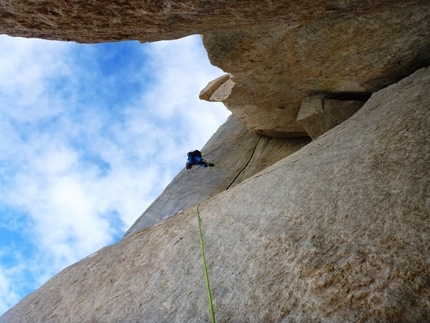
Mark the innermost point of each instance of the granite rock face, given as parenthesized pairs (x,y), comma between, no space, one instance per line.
(277,52)
(237,154)
(345,57)
(218,89)
(336,232)
(318,116)
(151,20)
(333,230)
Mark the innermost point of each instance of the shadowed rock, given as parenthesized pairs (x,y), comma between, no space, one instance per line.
(336,232)
(277,52)
(318,116)
(151,20)
(276,66)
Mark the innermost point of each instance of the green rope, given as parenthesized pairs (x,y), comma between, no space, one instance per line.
(205,268)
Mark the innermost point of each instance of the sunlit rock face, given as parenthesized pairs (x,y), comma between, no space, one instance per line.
(334,229)
(336,232)
(237,155)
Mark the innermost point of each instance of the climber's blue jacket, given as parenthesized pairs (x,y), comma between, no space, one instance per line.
(195,158)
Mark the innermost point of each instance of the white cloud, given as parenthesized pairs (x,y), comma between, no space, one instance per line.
(86,148)
(27,67)
(7,294)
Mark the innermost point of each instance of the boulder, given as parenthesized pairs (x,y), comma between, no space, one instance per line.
(336,232)
(218,89)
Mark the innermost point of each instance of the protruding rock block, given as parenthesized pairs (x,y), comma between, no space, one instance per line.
(278,52)
(276,66)
(318,116)
(217,90)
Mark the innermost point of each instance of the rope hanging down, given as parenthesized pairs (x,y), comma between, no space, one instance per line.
(205,268)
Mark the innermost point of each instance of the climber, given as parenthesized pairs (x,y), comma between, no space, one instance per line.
(195,158)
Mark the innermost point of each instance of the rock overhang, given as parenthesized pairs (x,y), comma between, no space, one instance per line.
(274,68)
(278,53)
(339,227)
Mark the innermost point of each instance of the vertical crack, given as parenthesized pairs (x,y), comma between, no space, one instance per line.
(249,160)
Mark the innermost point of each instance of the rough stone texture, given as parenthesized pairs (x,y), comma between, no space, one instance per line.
(347,56)
(278,52)
(336,232)
(150,20)
(237,154)
(218,89)
(318,116)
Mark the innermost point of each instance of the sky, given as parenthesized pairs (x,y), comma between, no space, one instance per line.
(90,135)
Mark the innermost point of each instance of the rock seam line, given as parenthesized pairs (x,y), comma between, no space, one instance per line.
(246,165)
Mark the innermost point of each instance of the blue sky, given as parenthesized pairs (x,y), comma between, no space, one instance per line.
(90,136)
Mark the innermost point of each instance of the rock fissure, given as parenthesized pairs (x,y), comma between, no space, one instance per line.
(244,167)
(331,228)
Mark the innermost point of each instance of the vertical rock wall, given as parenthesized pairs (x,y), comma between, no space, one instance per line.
(237,154)
(336,232)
